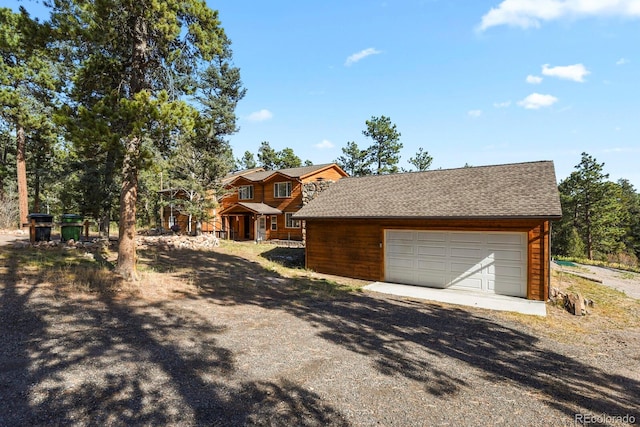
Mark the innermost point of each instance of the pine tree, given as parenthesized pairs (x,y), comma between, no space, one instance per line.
(267,156)
(140,70)
(422,160)
(385,151)
(247,161)
(354,161)
(27,85)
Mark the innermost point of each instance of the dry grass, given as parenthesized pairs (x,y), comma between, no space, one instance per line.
(613,310)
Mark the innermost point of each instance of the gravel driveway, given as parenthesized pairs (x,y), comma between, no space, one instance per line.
(251,349)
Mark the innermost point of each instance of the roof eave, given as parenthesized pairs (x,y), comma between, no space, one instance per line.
(490,217)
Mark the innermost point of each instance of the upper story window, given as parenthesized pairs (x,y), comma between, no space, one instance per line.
(245,192)
(282,189)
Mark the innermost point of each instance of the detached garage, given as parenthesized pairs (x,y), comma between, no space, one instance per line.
(481,229)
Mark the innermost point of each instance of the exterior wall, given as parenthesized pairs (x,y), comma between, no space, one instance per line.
(263,192)
(209,226)
(355,248)
(331,174)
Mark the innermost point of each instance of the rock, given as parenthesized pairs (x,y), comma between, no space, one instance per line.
(574,303)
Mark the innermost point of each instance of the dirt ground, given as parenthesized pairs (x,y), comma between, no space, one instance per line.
(230,337)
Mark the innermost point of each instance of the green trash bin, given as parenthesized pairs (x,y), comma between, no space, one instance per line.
(71,227)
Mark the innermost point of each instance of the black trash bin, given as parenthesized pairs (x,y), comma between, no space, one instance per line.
(40,227)
(71,227)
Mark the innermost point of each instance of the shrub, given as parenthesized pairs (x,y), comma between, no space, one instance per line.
(9,211)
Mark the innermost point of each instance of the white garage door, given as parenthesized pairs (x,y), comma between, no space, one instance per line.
(494,262)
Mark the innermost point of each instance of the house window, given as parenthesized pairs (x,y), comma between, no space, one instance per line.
(274,223)
(282,189)
(290,222)
(245,192)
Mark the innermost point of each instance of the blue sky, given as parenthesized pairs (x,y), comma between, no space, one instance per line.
(478,82)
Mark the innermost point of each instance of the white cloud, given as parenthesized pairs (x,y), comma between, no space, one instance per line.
(325,143)
(361,55)
(531,13)
(503,104)
(575,72)
(534,80)
(474,113)
(260,116)
(622,61)
(537,100)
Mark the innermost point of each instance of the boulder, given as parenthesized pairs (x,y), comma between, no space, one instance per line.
(574,303)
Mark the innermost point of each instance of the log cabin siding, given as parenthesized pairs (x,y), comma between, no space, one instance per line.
(355,247)
(329,174)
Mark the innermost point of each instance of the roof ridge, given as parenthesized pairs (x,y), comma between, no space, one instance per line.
(450,169)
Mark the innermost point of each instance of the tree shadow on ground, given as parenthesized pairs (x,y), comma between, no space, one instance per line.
(398,335)
(287,257)
(96,359)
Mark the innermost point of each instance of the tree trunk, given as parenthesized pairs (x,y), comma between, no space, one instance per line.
(36,192)
(21,167)
(128,198)
(129,190)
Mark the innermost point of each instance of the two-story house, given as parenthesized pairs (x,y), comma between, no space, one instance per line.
(259,205)
(173,214)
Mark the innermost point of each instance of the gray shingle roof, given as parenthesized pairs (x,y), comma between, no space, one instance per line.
(519,190)
(261,208)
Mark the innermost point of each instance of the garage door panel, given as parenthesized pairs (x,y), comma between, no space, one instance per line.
(433,278)
(487,261)
(401,236)
(395,262)
(475,238)
(459,267)
(466,252)
(397,249)
(402,275)
(503,287)
(505,238)
(440,251)
(423,278)
(513,272)
(462,282)
(431,265)
(506,255)
(428,236)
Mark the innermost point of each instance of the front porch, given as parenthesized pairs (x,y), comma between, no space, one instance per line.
(258,222)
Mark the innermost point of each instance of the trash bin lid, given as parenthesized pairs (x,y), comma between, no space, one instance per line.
(72,217)
(40,216)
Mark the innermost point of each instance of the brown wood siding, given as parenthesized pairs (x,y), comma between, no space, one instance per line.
(263,192)
(331,174)
(344,249)
(354,248)
(285,204)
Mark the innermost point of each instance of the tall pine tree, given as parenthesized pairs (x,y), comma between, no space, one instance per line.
(142,68)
